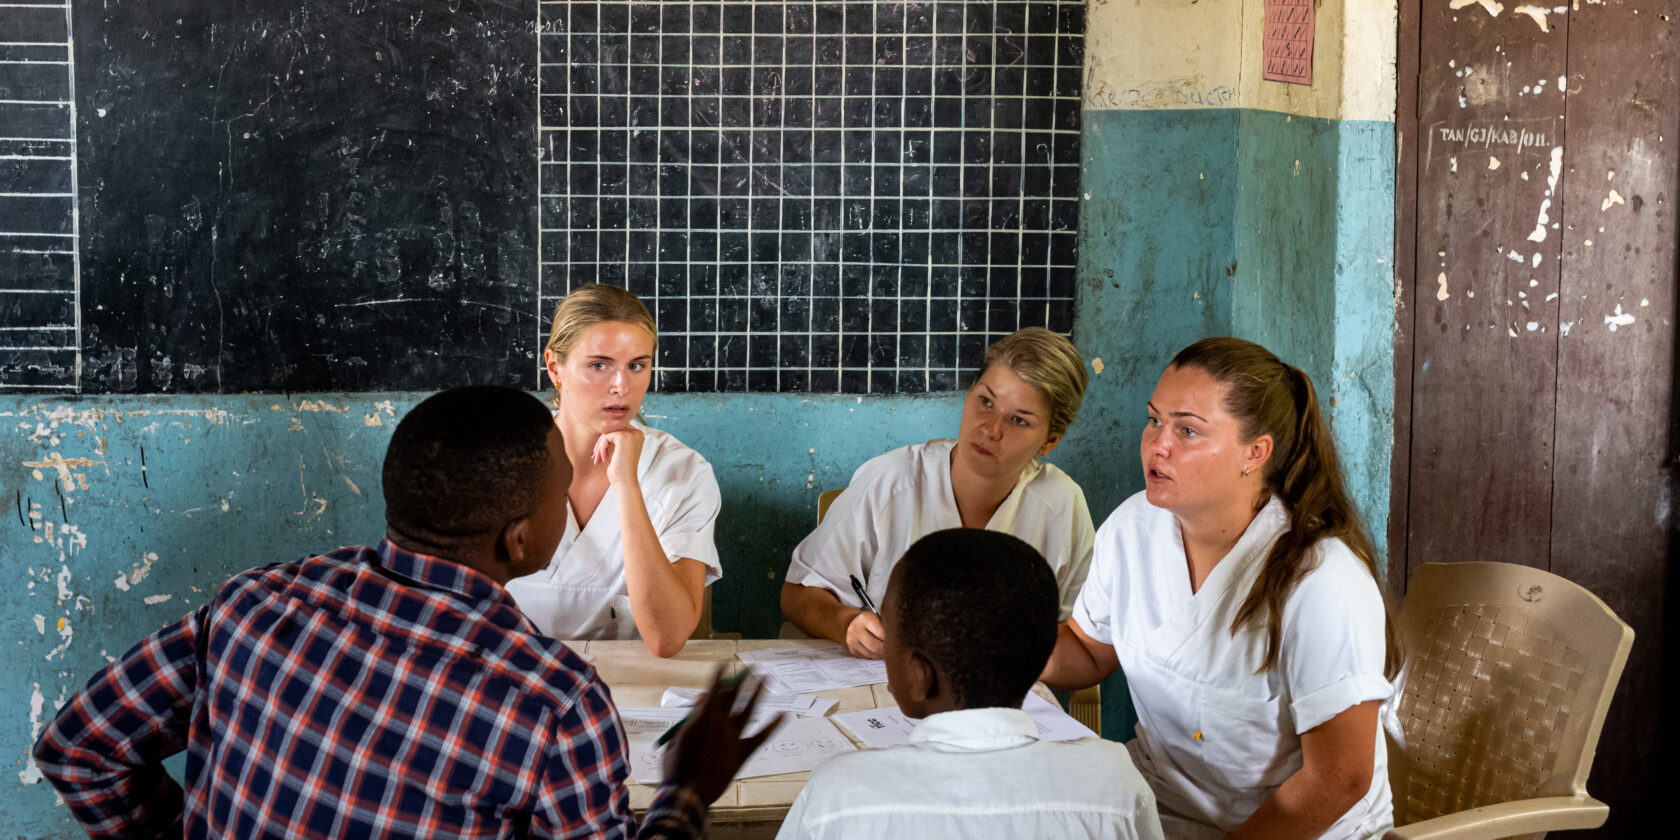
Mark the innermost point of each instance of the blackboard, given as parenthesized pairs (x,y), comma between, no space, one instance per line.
(358,195)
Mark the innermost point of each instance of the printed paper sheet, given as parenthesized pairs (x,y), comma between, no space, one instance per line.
(800,744)
(806,668)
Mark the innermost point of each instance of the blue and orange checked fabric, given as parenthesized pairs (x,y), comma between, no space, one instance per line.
(361,693)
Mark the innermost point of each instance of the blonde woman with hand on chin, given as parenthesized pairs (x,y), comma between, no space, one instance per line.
(638,551)
(1025,398)
(1238,592)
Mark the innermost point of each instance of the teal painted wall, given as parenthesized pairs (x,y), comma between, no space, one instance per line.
(1157,252)
(1155,247)
(225,483)
(1360,388)
(1317,288)
(1286,242)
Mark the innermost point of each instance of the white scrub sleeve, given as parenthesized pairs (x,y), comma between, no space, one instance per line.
(1072,575)
(1333,642)
(831,554)
(1095,608)
(687,531)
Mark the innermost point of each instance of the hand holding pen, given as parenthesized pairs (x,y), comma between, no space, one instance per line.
(733,681)
(865,636)
(709,748)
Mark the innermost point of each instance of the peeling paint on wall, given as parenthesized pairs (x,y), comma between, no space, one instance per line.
(1493,8)
(67,634)
(1539,233)
(37,704)
(136,572)
(1538,14)
(58,463)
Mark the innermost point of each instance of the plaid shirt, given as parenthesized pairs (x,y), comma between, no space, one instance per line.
(361,693)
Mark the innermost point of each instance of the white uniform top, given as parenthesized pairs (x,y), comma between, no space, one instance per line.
(581,594)
(1214,738)
(904,495)
(976,773)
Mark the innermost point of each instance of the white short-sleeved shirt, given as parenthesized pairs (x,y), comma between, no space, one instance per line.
(977,773)
(1215,738)
(904,495)
(581,594)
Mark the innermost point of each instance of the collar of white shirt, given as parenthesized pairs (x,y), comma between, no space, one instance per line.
(975,730)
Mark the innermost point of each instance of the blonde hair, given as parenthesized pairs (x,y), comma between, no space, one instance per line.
(593,304)
(1049,362)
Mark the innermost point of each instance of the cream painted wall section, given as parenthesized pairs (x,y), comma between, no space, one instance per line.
(1317,100)
(1353,63)
(1144,55)
(1191,54)
(1369,36)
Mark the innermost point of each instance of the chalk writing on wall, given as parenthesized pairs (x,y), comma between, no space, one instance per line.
(1511,137)
(1186,95)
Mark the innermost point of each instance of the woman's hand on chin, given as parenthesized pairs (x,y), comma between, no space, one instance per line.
(620,450)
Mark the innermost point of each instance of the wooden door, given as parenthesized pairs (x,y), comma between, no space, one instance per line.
(1535,363)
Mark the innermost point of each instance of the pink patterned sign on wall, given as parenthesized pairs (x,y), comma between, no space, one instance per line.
(1288,45)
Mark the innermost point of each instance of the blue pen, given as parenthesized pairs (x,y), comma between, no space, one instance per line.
(863,595)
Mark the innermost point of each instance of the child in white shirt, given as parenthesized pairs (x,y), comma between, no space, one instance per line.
(970,620)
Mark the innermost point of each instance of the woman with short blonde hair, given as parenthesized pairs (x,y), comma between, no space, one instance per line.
(990,476)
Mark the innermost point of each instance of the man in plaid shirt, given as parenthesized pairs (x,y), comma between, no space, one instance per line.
(393,691)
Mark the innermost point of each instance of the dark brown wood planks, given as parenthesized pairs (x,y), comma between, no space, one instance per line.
(1484,333)
(1611,493)
(1406,132)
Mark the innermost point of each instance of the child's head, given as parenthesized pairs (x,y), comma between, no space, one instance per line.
(970,619)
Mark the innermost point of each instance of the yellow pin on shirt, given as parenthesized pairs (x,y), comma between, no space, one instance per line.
(1197,736)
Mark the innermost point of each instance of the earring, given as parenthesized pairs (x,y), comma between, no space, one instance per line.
(1245,471)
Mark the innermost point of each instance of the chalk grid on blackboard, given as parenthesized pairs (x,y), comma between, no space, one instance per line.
(814,196)
(844,196)
(40,312)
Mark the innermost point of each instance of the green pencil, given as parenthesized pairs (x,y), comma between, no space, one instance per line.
(730,681)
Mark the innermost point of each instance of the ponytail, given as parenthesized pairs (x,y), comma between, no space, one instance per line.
(1269,397)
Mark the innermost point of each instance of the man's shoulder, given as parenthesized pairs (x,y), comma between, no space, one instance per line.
(1090,770)
(850,777)
(336,567)
(1111,757)
(554,674)
(471,645)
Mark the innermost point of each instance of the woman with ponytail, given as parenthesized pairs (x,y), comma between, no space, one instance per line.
(1239,593)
